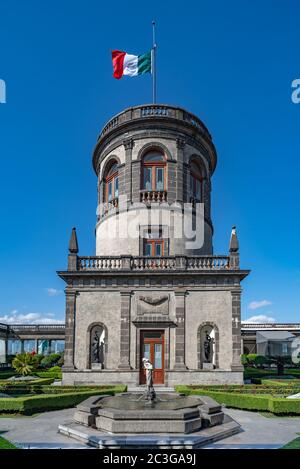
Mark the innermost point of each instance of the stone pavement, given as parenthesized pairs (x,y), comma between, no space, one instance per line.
(258,431)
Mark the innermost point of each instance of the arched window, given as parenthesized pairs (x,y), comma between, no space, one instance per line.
(196,179)
(154,171)
(111,183)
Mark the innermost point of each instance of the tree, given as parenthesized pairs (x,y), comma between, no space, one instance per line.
(24,363)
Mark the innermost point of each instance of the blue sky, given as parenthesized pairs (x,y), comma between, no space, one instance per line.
(231,63)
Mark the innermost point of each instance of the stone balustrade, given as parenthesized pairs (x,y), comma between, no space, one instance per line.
(153,196)
(143,263)
(36,327)
(151,111)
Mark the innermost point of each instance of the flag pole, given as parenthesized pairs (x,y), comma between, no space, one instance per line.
(153,63)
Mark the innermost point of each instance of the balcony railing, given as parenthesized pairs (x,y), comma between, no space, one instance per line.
(150,111)
(106,207)
(143,263)
(36,327)
(149,197)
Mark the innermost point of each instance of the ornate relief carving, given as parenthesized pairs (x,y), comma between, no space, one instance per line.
(153,304)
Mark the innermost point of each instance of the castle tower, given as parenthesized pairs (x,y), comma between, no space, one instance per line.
(154,288)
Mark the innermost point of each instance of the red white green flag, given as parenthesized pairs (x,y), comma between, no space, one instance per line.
(130,65)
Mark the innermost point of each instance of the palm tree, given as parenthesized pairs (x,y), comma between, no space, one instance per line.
(23,363)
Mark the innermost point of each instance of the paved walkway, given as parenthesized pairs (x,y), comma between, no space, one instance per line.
(258,431)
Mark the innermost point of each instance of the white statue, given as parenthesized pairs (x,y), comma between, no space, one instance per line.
(149,372)
(151,395)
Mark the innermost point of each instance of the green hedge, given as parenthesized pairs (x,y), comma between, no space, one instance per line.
(28,389)
(237,400)
(7,374)
(46,402)
(49,374)
(265,388)
(23,384)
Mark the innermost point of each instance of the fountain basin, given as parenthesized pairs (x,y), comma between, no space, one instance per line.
(128,413)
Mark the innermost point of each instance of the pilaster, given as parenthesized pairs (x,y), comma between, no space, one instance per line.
(180,330)
(236,331)
(70,331)
(125,331)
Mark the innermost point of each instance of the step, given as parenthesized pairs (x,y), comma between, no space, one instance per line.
(141,389)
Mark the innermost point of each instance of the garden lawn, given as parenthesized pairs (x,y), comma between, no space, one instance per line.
(294,444)
(4,444)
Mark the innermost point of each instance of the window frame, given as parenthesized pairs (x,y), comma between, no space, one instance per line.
(153,243)
(154,165)
(111,179)
(194,179)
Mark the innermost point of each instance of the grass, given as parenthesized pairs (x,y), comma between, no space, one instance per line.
(5,444)
(294,444)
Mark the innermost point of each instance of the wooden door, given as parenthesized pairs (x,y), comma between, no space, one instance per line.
(152,347)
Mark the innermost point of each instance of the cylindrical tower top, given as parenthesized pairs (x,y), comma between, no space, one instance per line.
(163,116)
(153,154)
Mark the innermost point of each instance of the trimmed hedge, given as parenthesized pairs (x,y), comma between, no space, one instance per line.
(49,374)
(24,384)
(46,402)
(28,389)
(237,400)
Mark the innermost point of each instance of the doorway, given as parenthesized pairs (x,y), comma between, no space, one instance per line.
(152,347)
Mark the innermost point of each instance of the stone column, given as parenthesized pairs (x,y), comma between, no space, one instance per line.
(125,331)
(236,331)
(70,331)
(180,143)
(128,145)
(180,331)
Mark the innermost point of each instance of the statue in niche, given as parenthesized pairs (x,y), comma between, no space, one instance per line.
(208,347)
(97,345)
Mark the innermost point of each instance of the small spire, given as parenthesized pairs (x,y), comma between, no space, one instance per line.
(234,243)
(73,244)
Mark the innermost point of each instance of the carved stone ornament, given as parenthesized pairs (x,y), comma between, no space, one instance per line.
(153,304)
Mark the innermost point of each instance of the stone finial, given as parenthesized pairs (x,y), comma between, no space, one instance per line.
(234,243)
(73,244)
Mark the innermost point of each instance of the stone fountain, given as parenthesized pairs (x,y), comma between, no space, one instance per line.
(149,419)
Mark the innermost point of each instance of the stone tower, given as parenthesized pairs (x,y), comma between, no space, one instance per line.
(154,288)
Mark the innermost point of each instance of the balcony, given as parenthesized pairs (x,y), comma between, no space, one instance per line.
(107,207)
(143,263)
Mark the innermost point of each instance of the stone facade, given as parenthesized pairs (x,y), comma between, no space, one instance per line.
(181,305)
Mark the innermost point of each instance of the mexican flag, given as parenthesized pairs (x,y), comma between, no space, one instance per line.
(131,65)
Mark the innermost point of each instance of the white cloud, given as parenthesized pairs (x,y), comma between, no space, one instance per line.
(259,304)
(53,291)
(260,319)
(14,317)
